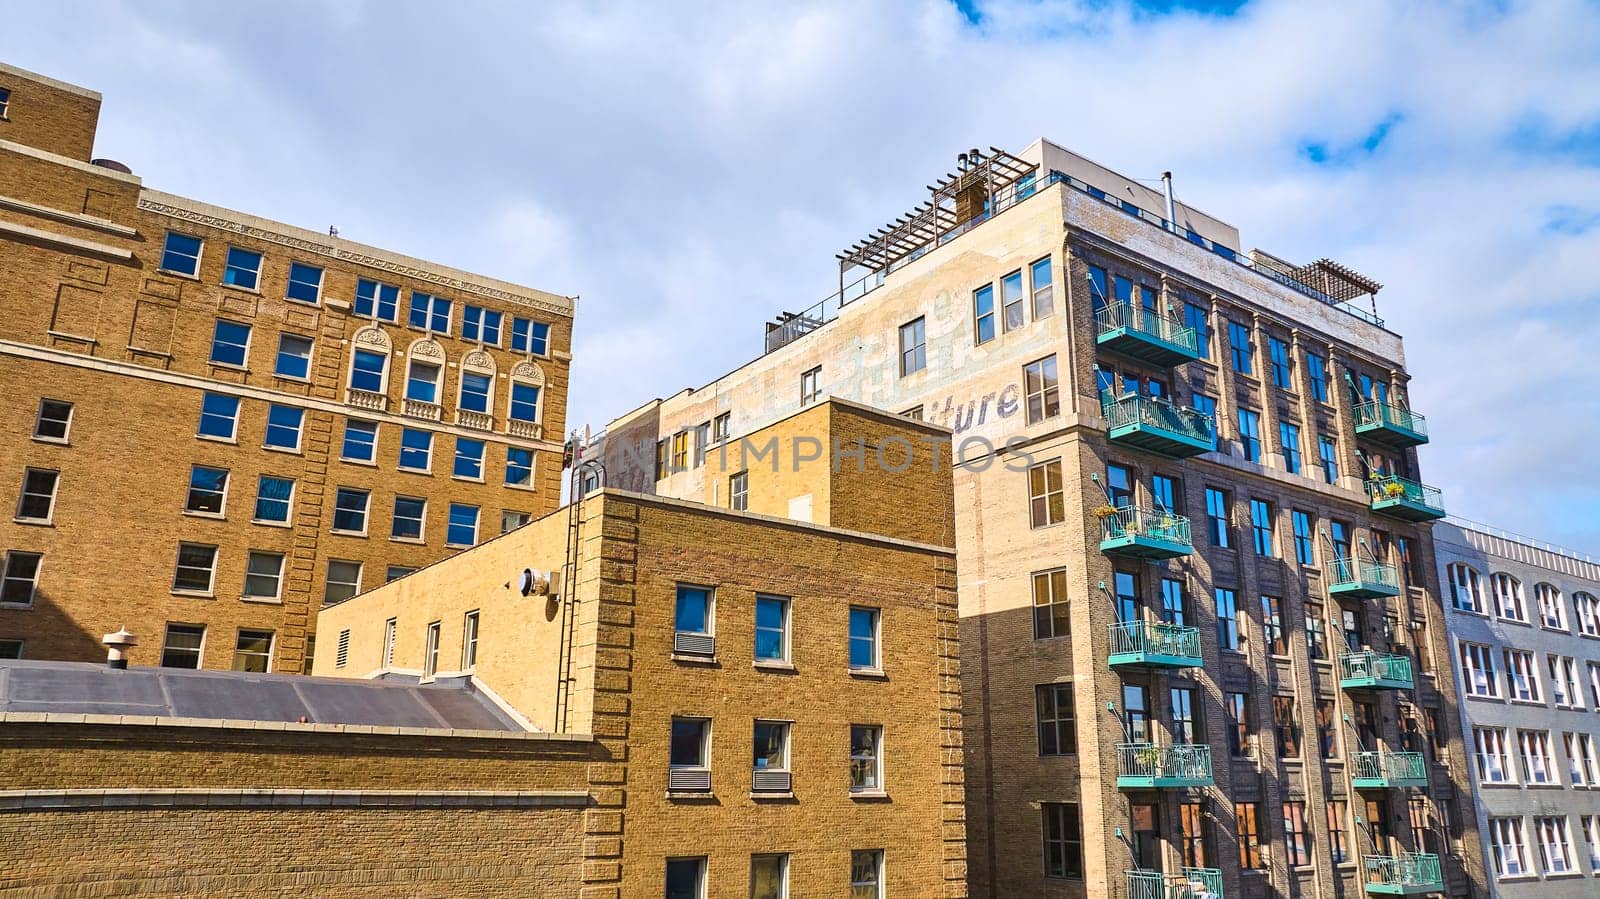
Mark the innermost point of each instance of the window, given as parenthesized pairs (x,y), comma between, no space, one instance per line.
(305,283)
(1327,729)
(1264,526)
(1465,594)
(913,346)
(1564,681)
(252,651)
(1287,726)
(864,650)
(1043,296)
(1042,389)
(1492,752)
(771,754)
(1317,371)
(422,382)
(1011,301)
(519,466)
(722,427)
(409,512)
(360,441)
(1508,601)
(1050,604)
(866,874)
(219,416)
(1047,502)
(1304,541)
(1248,828)
(430,650)
(1555,844)
(53,422)
(378,301)
(469,641)
(181,646)
(181,255)
(1316,638)
(1237,707)
(196,570)
(983,314)
(263,575)
(1239,344)
(38,500)
(208,490)
(283,427)
(294,357)
(1328,452)
(686,878)
(1582,768)
(1338,831)
(1229,635)
(430,313)
(769,877)
(273,499)
(468,459)
(21,577)
(1523,676)
(350,510)
(1552,610)
(739,492)
(680,451)
(1272,625)
(1506,845)
(243,270)
(1174,603)
(1591,838)
(1119,486)
(1289,439)
(344,581)
(1057,726)
(510,520)
(524,402)
(1186,726)
(692,620)
(10,649)
(1063,840)
(1217,519)
(1594,683)
(1199,319)
(475,390)
(529,336)
(1478,671)
(811,385)
(367,369)
(1165,491)
(689,755)
(480,324)
(1588,610)
(1250,434)
(1282,365)
(772,628)
(1538,766)
(866,758)
(462,529)
(416,450)
(1296,838)
(230,343)
(1205,405)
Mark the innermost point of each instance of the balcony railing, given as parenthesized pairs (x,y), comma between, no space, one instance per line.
(1145,534)
(1156,645)
(1151,765)
(530,430)
(479,420)
(421,409)
(1155,337)
(366,399)
(1390,423)
(1188,883)
(1362,579)
(1405,874)
(1399,498)
(1368,670)
(1159,425)
(1390,770)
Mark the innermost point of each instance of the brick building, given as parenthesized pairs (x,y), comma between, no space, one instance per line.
(215,422)
(1202,645)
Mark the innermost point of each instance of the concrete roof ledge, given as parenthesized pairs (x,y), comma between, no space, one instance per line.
(14,718)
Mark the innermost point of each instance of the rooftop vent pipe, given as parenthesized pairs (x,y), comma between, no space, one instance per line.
(1172,212)
(117,645)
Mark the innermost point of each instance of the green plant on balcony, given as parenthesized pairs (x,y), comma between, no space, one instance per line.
(1393,490)
(1103,511)
(1149,757)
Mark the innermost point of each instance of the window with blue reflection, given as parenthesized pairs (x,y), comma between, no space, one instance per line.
(693,612)
(181,254)
(863,637)
(463,526)
(416,449)
(983,313)
(377,300)
(305,283)
(243,269)
(219,415)
(1239,345)
(519,466)
(273,496)
(360,441)
(524,402)
(469,458)
(294,357)
(475,391)
(772,622)
(430,312)
(283,427)
(366,373)
(529,336)
(230,343)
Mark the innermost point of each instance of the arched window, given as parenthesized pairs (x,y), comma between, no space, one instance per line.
(424,379)
(525,415)
(1465,592)
(475,400)
(1588,608)
(1552,613)
(369,369)
(1508,599)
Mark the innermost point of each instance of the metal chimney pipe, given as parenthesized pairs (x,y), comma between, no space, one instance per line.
(117,646)
(1172,212)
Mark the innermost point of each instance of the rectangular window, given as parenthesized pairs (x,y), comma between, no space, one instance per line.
(305,283)
(1239,344)
(1011,301)
(1198,318)
(243,270)
(690,749)
(519,466)
(1229,635)
(344,581)
(1552,611)
(1508,600)
(182,645)
(1587,607)
(252,651)
(20,578)
(1046,499)
(811,386)
(1250,434)
(722,427)
(1478,671)
(692,620)
(1523,675)
(180,255)
(462,528)
(1316,638)
(10,649)
(480,324)
(1327,729)
(274,498)
(350,510)
(1043,294)
(866,758)
(1055,719)
(1538,765)
(1042,389)
(529,336)
(1282,365)
(283,427)
(1063,840)
(772,628)
(1286,724)
(475,392)
(54,421)
(377,300)
(208,490)
(1304,538)
(422,382)
(511,519)
(866,874)
(913,346)
(430,313)
(1168,497)
(1248,827)
(1050,604)
(1328,451)
(1289,439)
(37,502)
(1218,502)
(1237,707)
(739,492)
(230,343)
(294,357)
(769,877)
(416,450)
(771,755)
(1338,831)
(1591,839)
(1277,642)
(409,513)
(1555,844)
(1563,681)
(196,569)
(686,878)
(1296,837)
(865,653)
(1263,524)
(360,441)
(469,641)
(1317,371)
(263,575)
(1508,849)
(367,370)
(524,402)
(430,650)
(468,459)
(983,314)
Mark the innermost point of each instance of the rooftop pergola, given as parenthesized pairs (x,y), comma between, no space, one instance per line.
(1341,283)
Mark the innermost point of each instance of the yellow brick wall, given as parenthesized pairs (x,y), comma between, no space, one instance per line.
(47,115)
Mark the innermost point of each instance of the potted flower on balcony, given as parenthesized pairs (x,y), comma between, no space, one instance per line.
(1393,489)
(1149,757)
(1103,511)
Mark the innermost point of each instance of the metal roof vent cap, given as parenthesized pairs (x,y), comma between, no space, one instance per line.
(117,645)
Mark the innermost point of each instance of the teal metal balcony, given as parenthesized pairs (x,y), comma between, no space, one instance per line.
(1406,874)
(1144,534)
(1389,770)
(1188,883)
(1361,579)
(1146,766)
(1144,644)
(1154,337)
(1390,424)
(1405,500)
(1375,671)
(1158,426)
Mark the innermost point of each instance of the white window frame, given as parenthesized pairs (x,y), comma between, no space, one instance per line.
(783,870)
(1522,677)
(878,786)
(437,380)
(228,268)
(1493,756)
(366,512)
(877,639)
(211,572)
(1509,602)
(1465,584)
(288,520)
(244,351)
(456,458)
(470,623)
(876,884)
(272,645)
(1508,850)
(233,420)
(277,577)
(66,426)
(783,632)
(189,492)
(50,498)
(1478,672)
(1587,607)
(1554,837)
(199,651)
(311,348)
(360,569)
(344,441)
(1538,761)
(1552,611)
(428,469)
(199,256)
(289,280)
(6,577)
(483,313)
(299,429)
(533,460)
(389,629)
(377,294)
(739,491)
(477,524)
(421,520)
(811,385)
(430,650)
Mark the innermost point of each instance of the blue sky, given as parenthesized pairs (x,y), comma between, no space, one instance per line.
(691,169)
